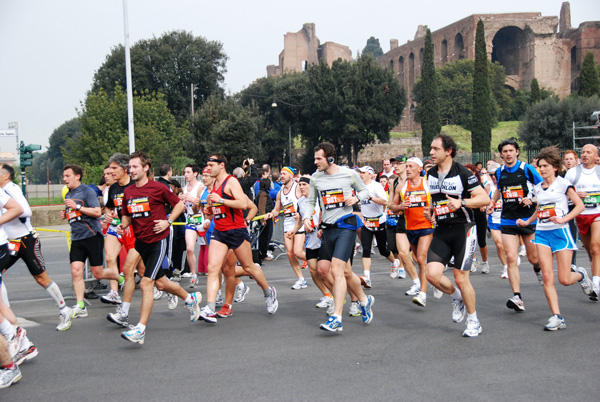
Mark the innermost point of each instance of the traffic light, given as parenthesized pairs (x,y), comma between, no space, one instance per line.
(27,153)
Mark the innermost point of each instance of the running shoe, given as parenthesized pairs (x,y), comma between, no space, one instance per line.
(458,310)
(420,299)
(26,354)
(14,343)
(225,311)
(354,309)
(401,273)
(474,265)
(522,251)
(413,290)
(555,323)
(271,301)
(65,315)
(176,275)
(485,267)
(473,328)
(540,277)
(356,248)
(134,335)
(79,312)
(157,294)
(172,302)
(119,317)
(595,293)
(187,275)
(333,324)
(394,269)
(367,311)
(304,265)
(518,260)
(516,303)
(111,297)
(194,307)
(219,300)
(208,315)
(193,281)
(437,294)
(331,308)
(325,302)
(9,376)
(240,292)
(504,274)
(366,282)
(585,282)
(300,284)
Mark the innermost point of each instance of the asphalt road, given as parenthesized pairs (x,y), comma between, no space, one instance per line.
(408,353)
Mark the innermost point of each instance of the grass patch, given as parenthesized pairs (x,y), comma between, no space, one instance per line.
(44,201)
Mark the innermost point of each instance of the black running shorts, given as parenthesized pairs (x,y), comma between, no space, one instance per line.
(458,241)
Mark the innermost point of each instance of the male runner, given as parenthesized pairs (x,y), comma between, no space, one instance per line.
(515,180)
(24,244)
(287,203)
(118,164)
(226,201)
(193,220)
(333,185)
(586,180)
(454,192)
(145,211)
(82,210)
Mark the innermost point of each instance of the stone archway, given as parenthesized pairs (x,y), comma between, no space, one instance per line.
(511,49)
(459,47)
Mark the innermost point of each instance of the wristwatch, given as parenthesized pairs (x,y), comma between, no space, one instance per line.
(170,221)
(78,207)
(463,203)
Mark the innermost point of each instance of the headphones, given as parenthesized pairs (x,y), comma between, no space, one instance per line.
(330,160)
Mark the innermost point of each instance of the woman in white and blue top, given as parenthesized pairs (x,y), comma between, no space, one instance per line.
(552,235)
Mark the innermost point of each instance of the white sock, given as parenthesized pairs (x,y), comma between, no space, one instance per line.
(7,329)
(125,308)
(25,344)
(188,299)
(54,292)
(241,285)
(141,327)
(457,295)
(367,274)
(4,294)
(417,282)
(505,266)
(472,317)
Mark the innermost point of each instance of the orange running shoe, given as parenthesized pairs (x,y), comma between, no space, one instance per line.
(226,311)
(304,265)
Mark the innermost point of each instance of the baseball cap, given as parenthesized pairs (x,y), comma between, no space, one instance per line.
(366,169)
(399,158)
(416,160)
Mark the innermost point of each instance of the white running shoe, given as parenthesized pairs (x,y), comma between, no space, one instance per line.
(522,251)
(119,317)
(220,299)
(473,328)
(474,265)
(325,302)
(193,281)
(458,310)
(172,302)
(331,308)
(585,282)
(271,301)
(300,284)
(65,319)
(157,294)
(208,315)
(354,309)
(555,323)
(194,307)
(504,273)
(401,273)
(240,292)
(420,299)
(79,312)
(187,275)
(413,290)
(394,269)
(437,294)
(111,297)
(516,303)
(134,335)
(539,276)
(485,267)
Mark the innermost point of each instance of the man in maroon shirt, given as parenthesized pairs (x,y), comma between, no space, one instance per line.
(144,209)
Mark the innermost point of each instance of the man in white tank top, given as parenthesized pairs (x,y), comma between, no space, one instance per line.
(193,217)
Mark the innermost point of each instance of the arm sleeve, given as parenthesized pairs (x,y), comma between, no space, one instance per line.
(498,178)
(535,176)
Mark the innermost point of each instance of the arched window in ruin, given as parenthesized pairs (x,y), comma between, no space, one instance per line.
(392,64)
(304,65)
(444,55)
(420,58)
(411,68)
(401,65)
(510,49)
(459,47)
(574,70)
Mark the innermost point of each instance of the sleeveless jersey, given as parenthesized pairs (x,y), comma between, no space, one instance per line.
(373,216)
(289,206)
(226,218)
(190,217)
(419,198)
(552,201)
(515,184)
(586,181)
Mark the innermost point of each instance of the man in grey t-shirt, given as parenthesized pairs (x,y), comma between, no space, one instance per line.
(82,210)
(333,186)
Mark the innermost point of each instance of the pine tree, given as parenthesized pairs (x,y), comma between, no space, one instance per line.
(481,129)
(535,95)
(428,108)
(589,81)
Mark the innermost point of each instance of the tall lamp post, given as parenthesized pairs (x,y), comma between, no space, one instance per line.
(274,104)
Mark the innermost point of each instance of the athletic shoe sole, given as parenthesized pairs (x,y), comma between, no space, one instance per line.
(512,305)
(113,320)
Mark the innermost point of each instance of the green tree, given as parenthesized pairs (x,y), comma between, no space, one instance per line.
(428,113)
(481,129)
(169,64)
(373,48)
(535,95)
(104,127)
(589,81)
(224,125)
(550,122)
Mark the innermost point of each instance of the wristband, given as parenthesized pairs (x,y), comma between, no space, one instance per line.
(78,207)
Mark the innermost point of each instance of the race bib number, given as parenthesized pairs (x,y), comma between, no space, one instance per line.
(372,223)
(139,207)
(391,214)
(513,194)
(194,219)
(115,222)
(547,211)
(442,208)
(417,199)
(118,201)
(289,209)
(73,215)
(13,247)
(332,199)
(592,199)
(218,211)
(498,206)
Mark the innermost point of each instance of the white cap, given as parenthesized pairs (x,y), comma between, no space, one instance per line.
(416,160)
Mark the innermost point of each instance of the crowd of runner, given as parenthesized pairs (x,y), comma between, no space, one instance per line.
(423,216)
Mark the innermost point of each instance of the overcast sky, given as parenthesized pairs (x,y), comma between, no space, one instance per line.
(49,50)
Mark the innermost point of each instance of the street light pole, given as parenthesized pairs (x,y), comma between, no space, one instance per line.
(128,80)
